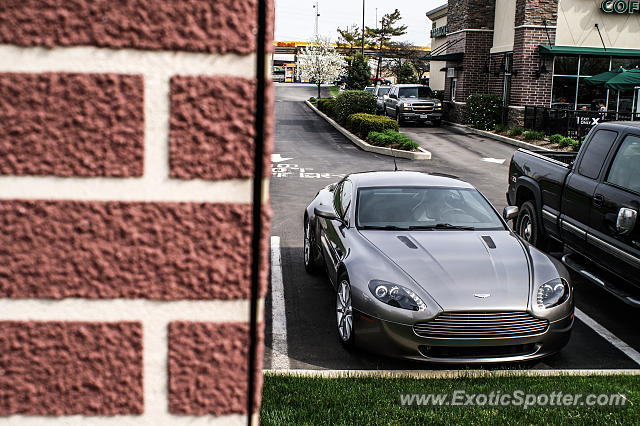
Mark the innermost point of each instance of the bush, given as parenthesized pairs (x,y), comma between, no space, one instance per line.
(533,135)
(516,131)
(327,105)
(575,145)
(565,142)
(359,73)
(483,110)
(501,128)
(393,139)
(352,102)
(362,124)
(555,139)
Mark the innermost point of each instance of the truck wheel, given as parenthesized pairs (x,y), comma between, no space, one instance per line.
(398,118)
(527,225)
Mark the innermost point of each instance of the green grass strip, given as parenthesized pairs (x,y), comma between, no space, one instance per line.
(291,400)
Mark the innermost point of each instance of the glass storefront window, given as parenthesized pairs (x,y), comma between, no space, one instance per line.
(626,63)
(566,65)
(564,93)
(626,100)
(590,96)
(592,65)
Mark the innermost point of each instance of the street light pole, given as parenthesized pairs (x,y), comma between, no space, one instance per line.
(363,28)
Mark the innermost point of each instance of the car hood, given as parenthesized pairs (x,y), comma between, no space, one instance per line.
(410,100)
(461,270)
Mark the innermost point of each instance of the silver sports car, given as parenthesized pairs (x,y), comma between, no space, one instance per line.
(424,268)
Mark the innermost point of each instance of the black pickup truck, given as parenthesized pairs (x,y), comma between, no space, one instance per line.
(588,202)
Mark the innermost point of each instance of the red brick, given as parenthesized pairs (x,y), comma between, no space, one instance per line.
(167,251)
(212,127)
(208,368)
(71,124)
(65,368)
(218,26)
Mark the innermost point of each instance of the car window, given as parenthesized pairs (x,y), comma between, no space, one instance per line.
(415,92)
(625,169)
(383,91)
(345,199)
(596,152)
(415,207)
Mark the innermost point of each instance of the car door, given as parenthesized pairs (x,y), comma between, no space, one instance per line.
(580,188)
(333,231)
(617,244)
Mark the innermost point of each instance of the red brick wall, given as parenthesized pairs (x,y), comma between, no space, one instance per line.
(125,281)
(526,88)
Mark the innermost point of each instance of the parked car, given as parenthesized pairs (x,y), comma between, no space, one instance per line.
(369,89)
(424,268)
(380,93)
(381,80)
(588,202)
(413,102)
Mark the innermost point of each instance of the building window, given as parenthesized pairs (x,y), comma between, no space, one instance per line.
(569,89)
(454,83)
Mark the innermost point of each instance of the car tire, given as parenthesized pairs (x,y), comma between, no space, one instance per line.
(310,251)
(344,313)
(398,118)
(527,225)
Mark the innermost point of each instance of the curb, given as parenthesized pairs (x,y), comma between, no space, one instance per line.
(447,374)
(409,155)
(499,138)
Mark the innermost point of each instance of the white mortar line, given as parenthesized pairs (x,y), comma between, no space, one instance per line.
(608,336)
(448,374)
(280,354)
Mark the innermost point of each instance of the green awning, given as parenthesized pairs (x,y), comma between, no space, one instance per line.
(602,78)
(453,57)
(545,49)
(628,80)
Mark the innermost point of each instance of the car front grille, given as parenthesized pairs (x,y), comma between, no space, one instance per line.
(483,325)
(423,107)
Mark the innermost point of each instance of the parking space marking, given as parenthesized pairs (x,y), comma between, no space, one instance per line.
(280,356)
(608,336)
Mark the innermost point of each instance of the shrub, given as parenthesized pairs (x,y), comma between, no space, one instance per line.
(501,128)
(361,124)
(352,102)
(327,105)
(393,138)
(359,73)
(556,139)
(565,142)
(575,145)
(533,135)
(515,131)
(312,100)
(483,110)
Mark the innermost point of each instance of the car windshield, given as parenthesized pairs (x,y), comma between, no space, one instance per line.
(427,208)
(368,89)
(383,91)
(415,92)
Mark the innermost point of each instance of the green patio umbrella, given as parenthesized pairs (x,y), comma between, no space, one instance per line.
(628,80)
(602,78)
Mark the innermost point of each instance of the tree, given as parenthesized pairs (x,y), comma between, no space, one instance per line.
(350,39)
(359,74)
(399,52)
(382,36)
(407,74)
(319,62)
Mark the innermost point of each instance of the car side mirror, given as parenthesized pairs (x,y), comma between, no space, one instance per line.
(325,212)
(510,213)
(626,220)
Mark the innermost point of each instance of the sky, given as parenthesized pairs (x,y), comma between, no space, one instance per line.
(295,19)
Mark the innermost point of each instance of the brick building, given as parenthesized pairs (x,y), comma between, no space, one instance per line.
(133,250)
(536,52)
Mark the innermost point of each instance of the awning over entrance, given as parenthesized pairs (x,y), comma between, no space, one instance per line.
(453,57)
(577,50)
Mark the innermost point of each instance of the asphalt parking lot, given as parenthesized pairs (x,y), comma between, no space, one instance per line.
(310,154)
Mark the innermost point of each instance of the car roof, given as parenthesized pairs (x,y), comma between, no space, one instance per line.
(613,124)
(405,178)
(410,85)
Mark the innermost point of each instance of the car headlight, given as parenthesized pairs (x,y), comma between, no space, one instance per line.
(553,293)
(397,296)
(438,104)
(405,106)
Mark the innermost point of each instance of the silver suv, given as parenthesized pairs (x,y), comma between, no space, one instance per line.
(413,102)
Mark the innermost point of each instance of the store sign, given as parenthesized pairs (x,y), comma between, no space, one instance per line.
(620,6)
(439,32)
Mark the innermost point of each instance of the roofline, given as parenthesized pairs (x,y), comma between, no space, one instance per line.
(436,10)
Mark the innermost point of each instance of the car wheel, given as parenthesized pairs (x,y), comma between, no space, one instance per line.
(527,225)
(398,119)
(344,312)
(310,249)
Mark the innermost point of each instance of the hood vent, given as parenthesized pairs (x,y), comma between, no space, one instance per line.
(407,242)
(489,241)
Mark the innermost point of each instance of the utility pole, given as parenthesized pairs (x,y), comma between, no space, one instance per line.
(317,9)
(363,28)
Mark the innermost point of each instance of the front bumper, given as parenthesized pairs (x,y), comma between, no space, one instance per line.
(420,116)
(400,341)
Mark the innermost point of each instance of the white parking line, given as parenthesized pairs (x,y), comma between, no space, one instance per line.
(280,354)
(608,336)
